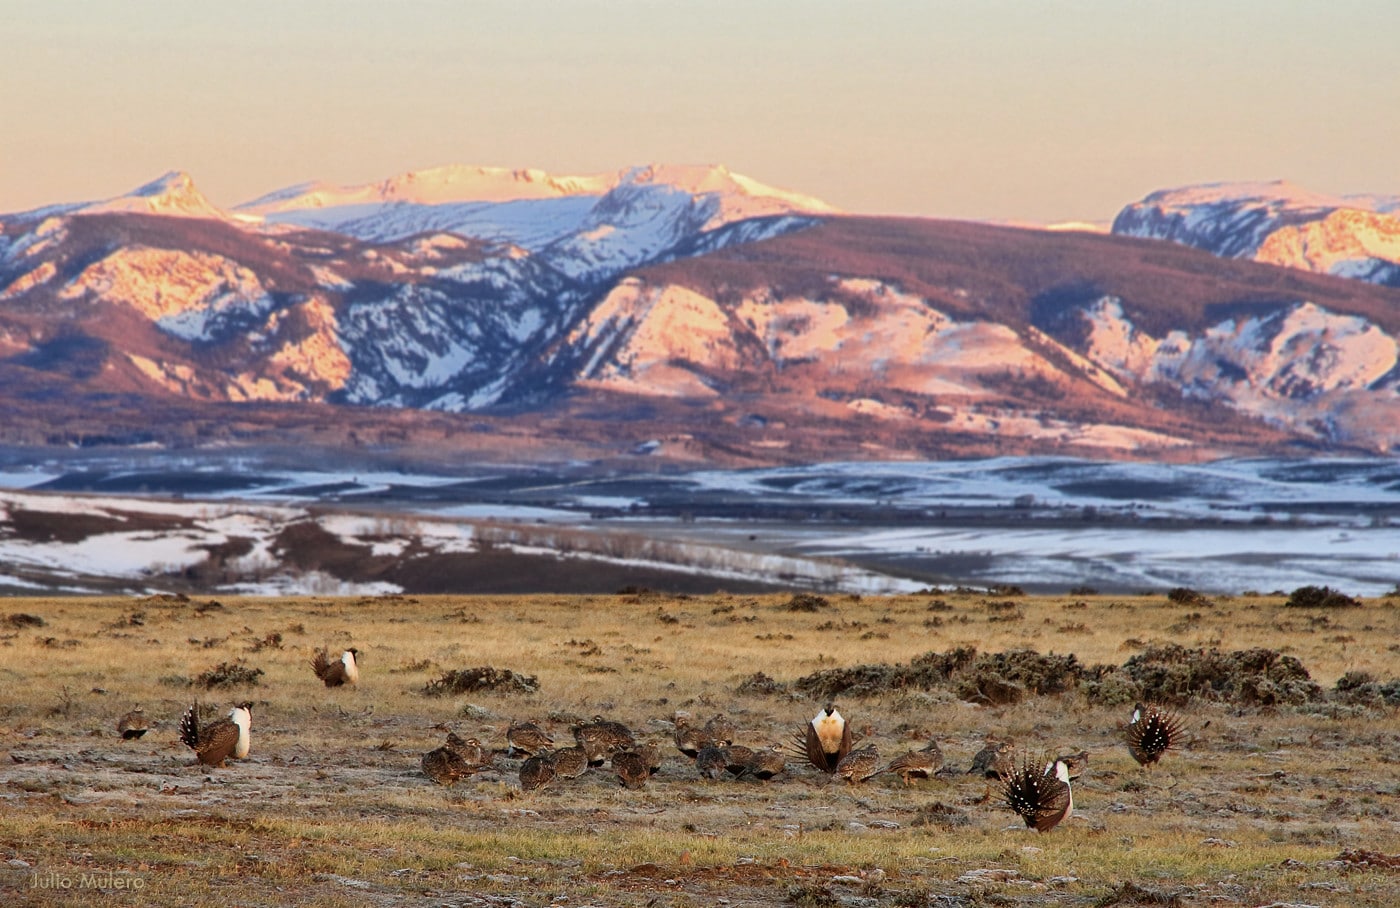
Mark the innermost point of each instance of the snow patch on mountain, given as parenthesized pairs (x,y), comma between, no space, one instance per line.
(190,295)
(660,340)
(1299,366)
(644,337)
(34,277)
(588,227)
(1279,223)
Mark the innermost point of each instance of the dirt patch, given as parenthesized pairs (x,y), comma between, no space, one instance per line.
(1360,859)
(468,680)
(59,526)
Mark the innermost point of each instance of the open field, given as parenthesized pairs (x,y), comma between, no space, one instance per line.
(1288,792)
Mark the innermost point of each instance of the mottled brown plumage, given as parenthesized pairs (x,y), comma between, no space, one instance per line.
(631,768)
(471,750)
(921,764)
(445,766)
(1038,792)
(992,761)
(860,764)
(768,763)
(216,742)
(537,771)
(601,738)
(737,759)
(570,762)
(528,738)
(720,730)
(711,762)
(689,739)
(651,755)
(133,725)
(335,673)
(1152,732)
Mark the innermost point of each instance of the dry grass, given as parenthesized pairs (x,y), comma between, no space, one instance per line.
(331,807)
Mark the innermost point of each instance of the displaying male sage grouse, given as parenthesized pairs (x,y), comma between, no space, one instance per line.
(132,725)
(826,739)
(216,742)
(1039,792)
(1152,732)
(345,670)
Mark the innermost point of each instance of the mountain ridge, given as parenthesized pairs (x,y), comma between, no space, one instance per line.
(667,316)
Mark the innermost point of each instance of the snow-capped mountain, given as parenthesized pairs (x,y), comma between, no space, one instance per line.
(1279,223)
(689,312)
(586,226)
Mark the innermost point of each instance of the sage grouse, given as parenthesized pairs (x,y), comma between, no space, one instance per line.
(133,724)
(922,763)
(345,670)
(601,738)
(1077,763)
(444,765)
(992,761)
(859,765)
(711,761)
(768,763)
(471,750)
(528,738)
(631,768)
(1152,732)
(537,771)
(737,759)
(570,762)
(216,742)
(720,730)
(825,740)
(1038,792)
(689,739)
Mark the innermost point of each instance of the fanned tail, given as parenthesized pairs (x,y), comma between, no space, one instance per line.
(189,726)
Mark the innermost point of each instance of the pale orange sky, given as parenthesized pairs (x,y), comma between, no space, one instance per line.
(1034,111)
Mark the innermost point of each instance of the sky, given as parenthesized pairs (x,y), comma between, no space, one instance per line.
(1035,111)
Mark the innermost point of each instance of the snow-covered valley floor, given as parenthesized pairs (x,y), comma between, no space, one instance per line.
(243,523)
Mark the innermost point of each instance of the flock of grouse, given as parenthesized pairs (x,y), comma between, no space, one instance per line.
(1038,790)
